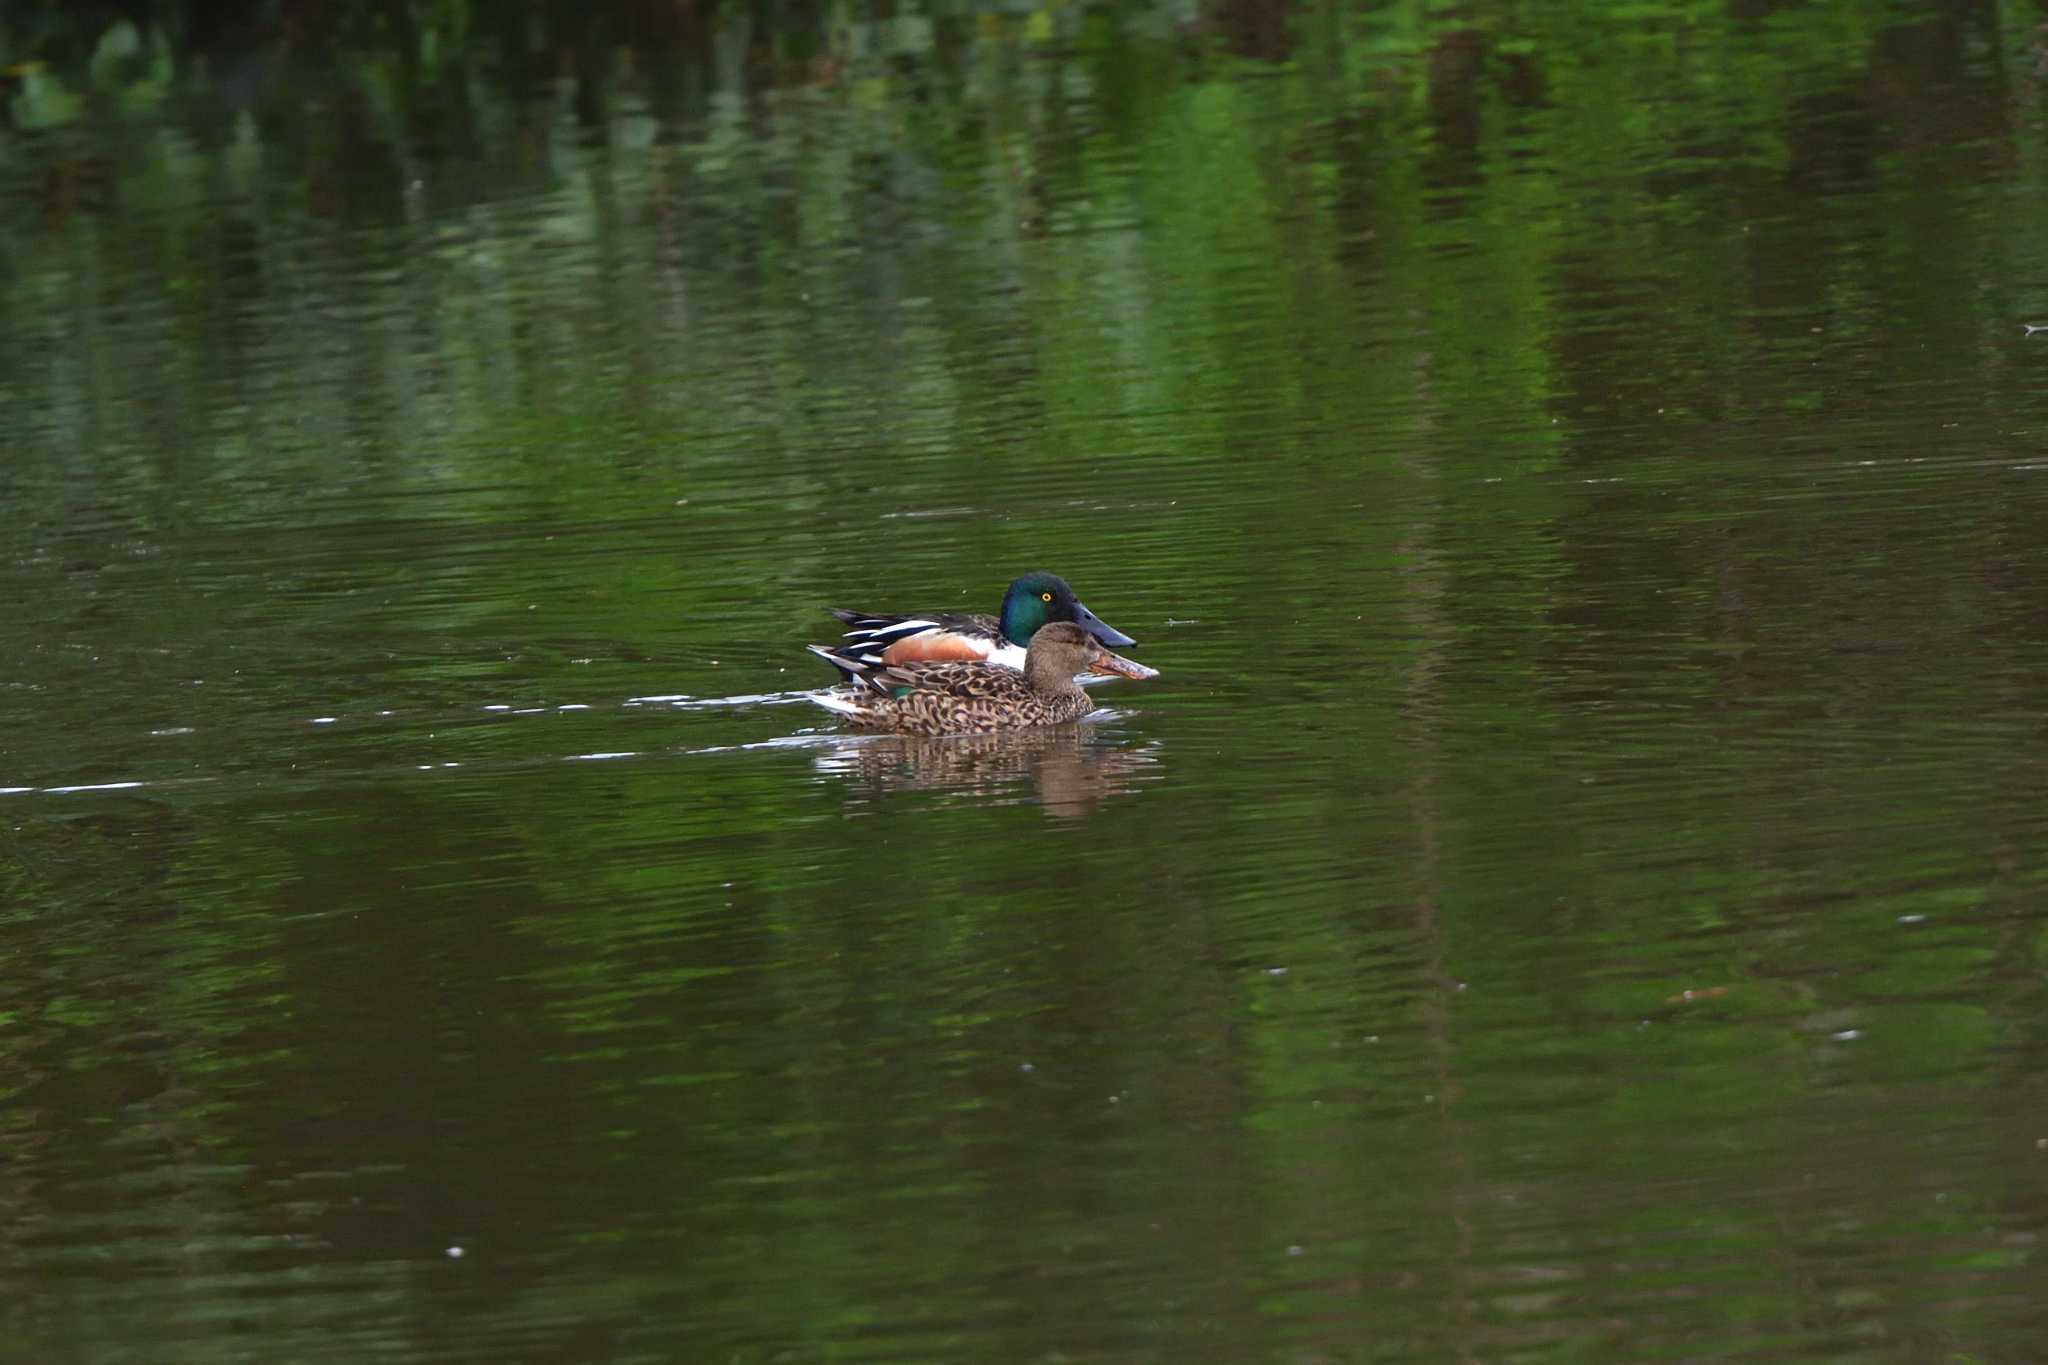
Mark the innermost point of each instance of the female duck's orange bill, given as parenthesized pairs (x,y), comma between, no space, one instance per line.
(1106,662)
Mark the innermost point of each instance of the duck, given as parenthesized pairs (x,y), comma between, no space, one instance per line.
(978,697)
(874,642)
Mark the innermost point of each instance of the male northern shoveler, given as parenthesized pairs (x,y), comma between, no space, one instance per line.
(874,642)
(977,698)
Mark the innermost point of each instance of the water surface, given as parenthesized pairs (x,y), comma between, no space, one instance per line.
(1573,893)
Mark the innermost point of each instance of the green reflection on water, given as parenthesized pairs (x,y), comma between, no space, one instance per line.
(1570,892)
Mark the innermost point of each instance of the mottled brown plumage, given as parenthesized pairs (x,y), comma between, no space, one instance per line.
(977,698)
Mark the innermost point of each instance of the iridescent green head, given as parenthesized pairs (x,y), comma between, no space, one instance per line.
(1037,599)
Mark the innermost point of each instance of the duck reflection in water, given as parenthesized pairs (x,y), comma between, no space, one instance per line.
(1067,769)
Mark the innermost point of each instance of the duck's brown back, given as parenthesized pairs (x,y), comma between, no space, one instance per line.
(968,699)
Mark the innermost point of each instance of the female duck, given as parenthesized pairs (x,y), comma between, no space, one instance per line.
(1036,599)
(978,698)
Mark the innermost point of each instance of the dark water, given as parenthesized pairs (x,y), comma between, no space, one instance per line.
(1574,894)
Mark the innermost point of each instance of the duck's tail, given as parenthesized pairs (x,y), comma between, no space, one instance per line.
(852,704)
(853,667)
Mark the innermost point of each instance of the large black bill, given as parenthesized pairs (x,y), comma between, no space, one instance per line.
(1101,629)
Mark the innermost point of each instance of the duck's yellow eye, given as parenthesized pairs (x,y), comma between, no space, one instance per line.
(1045,597)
